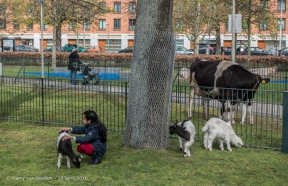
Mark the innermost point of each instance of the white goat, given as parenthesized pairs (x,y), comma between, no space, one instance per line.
(186,133)
(184,73)
(218,128)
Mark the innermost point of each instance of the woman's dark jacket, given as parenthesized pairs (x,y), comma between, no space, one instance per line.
(92,136)
(74,61)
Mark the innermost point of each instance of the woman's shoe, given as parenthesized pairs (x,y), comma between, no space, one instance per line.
(95,159)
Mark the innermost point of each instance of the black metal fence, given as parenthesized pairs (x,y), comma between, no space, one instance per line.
(54,101)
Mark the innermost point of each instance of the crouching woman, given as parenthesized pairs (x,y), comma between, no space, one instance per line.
(94,141)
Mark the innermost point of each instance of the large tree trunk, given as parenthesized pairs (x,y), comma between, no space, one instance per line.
(152,69)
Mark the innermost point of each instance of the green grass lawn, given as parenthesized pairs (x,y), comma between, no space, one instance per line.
(29,151)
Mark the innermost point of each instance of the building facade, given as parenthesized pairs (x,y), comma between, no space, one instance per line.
(115,31)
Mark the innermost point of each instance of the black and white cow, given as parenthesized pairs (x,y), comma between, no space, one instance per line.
(222,80)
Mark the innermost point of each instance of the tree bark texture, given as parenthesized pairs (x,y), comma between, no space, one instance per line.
(151,80)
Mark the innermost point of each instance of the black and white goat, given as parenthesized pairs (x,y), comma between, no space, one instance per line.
(186,132)
(65,148)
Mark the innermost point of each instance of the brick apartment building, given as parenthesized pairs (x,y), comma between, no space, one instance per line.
(115,31)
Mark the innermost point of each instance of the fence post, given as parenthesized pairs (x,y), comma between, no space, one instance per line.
(1,69)
(285,124)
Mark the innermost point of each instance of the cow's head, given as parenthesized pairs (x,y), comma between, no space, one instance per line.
(263,80)
(172,128)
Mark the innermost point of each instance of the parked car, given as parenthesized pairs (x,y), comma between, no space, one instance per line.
(275,51)
(94,49)
(257,51)
(126,50)
(203,48)
(226,50)
(25,48)
(49,49)
(184,51)
(69,48)
(283,51)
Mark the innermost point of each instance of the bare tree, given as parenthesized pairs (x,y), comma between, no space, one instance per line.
(56,13)
(257,13)
(152,68)
(192,18)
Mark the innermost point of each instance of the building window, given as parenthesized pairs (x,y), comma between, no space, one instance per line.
(3,19)
(102,7)
(132,7)
(281,24)
(49,43)
(3,23)
(226,25)
(132,24)
(117,24)
(117,7)
(29,42)
(178,24)
(70,27)
(29,11)
(113,46)
(244,26)
(30,26)
(44,26)
(86,26)
(264,3)
(262,25)
(281,5)
(102,24)
(16,26)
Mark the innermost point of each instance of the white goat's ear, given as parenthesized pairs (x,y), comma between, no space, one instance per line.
(79,159)
(81,156)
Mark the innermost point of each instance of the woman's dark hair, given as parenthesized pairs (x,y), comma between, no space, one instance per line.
(93,117)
